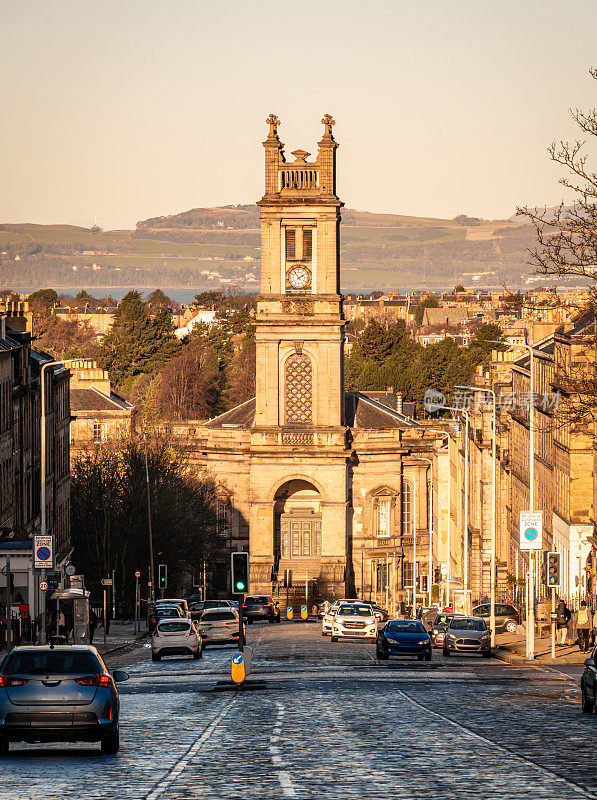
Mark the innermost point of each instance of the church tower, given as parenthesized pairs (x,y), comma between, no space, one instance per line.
(300,324)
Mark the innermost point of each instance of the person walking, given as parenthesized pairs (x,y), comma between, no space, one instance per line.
(584,626)
(563,615)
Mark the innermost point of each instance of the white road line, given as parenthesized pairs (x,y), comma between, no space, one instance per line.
(542,770)
(286,784)
(184,760)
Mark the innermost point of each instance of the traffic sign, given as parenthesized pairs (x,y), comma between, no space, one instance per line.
(43,552)
(137,574)
(106,581)
(70,569)
(531,530)
(43,586)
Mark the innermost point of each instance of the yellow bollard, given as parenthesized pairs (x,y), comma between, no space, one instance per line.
(304,612)
(237,667)
(289,612)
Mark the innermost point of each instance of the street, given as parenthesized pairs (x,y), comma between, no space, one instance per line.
(332,722)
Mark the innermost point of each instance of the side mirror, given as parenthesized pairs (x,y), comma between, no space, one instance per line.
(590,662)
(120,675)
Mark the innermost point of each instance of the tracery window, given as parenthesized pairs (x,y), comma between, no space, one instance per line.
(298,390)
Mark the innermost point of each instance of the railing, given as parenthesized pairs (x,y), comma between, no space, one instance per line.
(298,179)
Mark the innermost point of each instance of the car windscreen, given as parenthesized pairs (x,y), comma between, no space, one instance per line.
(57,662)
(467,624)
(442,619)
(218,616)
(354,610)
(258,601)
(400,626)
(173,627)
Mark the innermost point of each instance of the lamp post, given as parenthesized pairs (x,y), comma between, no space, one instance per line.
(149,533)
(530,593)
(429,526)
(449,544)
(43,521)
(465,413)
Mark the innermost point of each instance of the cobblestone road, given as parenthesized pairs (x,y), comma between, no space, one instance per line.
(332,722)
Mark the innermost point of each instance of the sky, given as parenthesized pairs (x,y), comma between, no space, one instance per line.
(119,110)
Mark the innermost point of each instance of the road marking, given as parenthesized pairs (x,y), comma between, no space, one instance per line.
(184,760)
(286,784)
(284,778)
(543,770)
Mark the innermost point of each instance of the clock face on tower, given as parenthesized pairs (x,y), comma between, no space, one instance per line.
(298,278)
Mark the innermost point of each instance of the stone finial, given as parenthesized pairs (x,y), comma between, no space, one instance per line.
(328,121)
(301,155)
(273,122)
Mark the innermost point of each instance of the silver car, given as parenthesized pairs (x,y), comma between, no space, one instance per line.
(219,626)
(467,635)
(58,694)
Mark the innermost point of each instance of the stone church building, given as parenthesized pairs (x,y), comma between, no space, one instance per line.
(328,483)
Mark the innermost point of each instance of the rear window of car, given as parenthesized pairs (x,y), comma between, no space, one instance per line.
(172,627)
(258,601)
(404,626)
(55,662)
(196,607)
(168,612)
(215,604)
(218,616)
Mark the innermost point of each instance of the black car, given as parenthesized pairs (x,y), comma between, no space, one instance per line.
(588,684)
(262,607)
(439,627)
(506,616)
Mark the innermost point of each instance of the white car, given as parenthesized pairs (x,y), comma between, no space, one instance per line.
(176,636)
(354,621)
(328,618)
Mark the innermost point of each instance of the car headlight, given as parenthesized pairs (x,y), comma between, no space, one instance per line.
(435,630)
(423,641)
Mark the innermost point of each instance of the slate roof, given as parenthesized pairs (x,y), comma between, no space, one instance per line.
(93,400)
(361,411)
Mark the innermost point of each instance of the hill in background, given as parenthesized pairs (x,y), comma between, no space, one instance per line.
(217,247)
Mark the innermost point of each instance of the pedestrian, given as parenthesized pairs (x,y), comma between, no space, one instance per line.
(62,631)
(584,626)
(92,624)
(563,615)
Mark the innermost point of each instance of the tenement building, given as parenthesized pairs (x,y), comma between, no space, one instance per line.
(330,484)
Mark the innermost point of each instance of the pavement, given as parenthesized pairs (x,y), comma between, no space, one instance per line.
(331,722)
(512,649)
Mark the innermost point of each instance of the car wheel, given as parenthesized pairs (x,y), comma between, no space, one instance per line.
(156,657)
(486,654)
(587,704)
(334,638)
(323,633)
(381,656)
(511,626)
(420,658)
(446,652)
(197,654)
(4,747)
(272,620)
(278,618)
(428,656)
(250,621)
(111,743)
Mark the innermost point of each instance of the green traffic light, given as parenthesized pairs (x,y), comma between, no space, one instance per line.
(240,586)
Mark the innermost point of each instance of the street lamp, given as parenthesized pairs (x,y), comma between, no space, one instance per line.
(465,413)
(530,593)
(493,502)
(430,528)
(448,559)
(43,521)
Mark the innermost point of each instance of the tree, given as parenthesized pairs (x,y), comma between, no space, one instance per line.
(430,301)
(567,249)
(84,295)
(109,514)
(47,297)
(157,299)
(190,386)
(208,298)
(459,288)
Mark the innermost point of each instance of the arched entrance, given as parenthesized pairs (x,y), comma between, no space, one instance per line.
(297,528)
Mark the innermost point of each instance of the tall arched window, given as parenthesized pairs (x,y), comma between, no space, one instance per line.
(298,390)
(407,508)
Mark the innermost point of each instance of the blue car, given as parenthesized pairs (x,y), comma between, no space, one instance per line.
(403,637)
(50,694)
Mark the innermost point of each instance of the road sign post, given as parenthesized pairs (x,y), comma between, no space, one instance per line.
(531,540)
(43,559)
(137,603)
(106,583)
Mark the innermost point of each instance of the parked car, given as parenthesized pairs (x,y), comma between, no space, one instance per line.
(327,620)
(219,626)
(162,612)
(261,607)
(176,636)
(354,621)
(59,694)
(403,637)
(506,617)
(467,635)
(440,625)
(588,684)
(427,615)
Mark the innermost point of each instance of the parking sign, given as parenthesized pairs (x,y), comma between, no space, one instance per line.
(43,552)
(531,530)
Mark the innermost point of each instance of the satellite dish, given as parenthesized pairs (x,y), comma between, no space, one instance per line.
(70,569)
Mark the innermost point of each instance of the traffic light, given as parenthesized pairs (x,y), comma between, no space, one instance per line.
(240,572)
(553,570)
(162,576)
(423,583)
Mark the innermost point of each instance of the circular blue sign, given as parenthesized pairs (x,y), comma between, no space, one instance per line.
(237,658)
(43,553)
(531,534)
